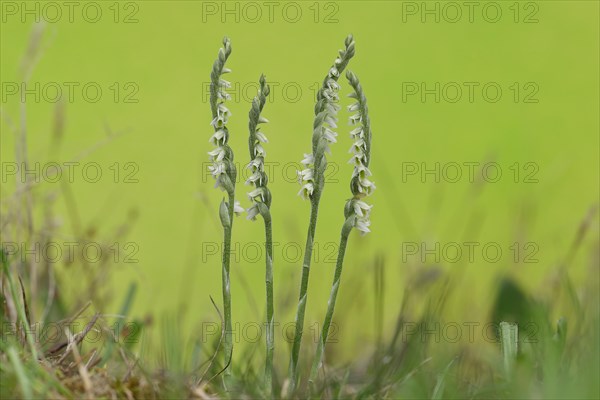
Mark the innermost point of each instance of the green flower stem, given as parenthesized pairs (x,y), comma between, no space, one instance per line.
(270,321)
(227,340)
(314,211)
(346,229)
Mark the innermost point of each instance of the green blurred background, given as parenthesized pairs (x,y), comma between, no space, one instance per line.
(165,53)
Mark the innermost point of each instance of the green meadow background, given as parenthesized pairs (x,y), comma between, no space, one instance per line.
(165,53)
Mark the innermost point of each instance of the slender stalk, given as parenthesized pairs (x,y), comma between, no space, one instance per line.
(312,227)
(346,229)
(227,340)
(270,312)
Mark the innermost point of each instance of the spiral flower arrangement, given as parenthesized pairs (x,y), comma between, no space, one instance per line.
(260,195)
(311,177)
(360,185)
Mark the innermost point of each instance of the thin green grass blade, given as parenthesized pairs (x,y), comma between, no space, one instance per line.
(20,372)
(509,339)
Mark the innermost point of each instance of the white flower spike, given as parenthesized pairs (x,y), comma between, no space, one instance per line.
(361,156)
(258,178)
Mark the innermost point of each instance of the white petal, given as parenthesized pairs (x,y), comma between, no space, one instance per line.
(329,135)
(359,146)
(363,225)
(358,160)
(354,107)
(331,95)
(217,168)
(237,208)
(217,137)
(221,108)
(217,154)
(261,137)
(256,193)
(362,171)
(366,186)
(356,118)
(259,151)
(307,160)
(306,191)
(306,174)
(333,108)
(333,85)
(256,164)
(256,176)
(362,209)
(331,121)
(357,132)
(253,212)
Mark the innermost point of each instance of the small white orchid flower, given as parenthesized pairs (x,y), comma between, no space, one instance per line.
(217,138)
(354,107)
(362,209)
(361,171)
(255,177)
(237,208)
(306,191)
(259,151)
(256,164)
(256,193)
(253,211)
(331,121)
(357,159)
(305,175)
(217,169)
(223,110)
(224,83)
(308,159)
(366,186)
(357,132)
(362,225)
(222,95)
(217,154)
(333,85)
(261,137)
(358,146)
(329,135)
(355,119)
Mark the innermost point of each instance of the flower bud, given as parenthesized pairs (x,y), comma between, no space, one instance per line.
(224,214)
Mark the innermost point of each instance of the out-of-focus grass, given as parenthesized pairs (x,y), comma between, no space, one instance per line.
(555,359)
